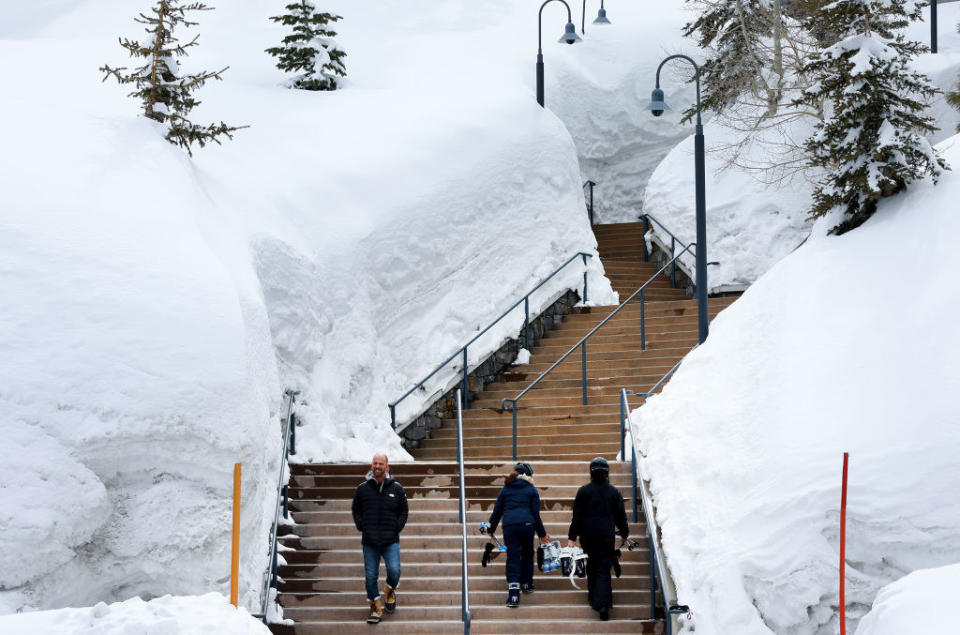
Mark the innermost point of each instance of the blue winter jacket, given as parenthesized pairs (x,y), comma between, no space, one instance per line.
(518,504)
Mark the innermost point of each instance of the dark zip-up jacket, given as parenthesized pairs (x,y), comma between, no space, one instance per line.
(518,504)
(380,511)
(597,512)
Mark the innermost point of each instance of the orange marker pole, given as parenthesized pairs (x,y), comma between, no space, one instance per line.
(235,552)
(843,546)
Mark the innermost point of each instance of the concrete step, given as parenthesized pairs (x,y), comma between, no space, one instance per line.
(542,480)
(413,556)
(414,570)
(519,625)
(399,469)
(414,529)
(407,598)
(495,581)
(358,611)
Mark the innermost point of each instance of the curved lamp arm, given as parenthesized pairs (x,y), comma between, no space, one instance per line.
(696,70)
(540,22)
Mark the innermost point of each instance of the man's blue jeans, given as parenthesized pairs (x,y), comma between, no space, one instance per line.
(371,567)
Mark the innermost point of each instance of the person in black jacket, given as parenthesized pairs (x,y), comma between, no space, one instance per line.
(380,513)
(518,504)
(597,512)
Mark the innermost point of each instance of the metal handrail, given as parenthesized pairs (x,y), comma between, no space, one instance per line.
(623,414)
(464,582)
(658,570)
(270,577)
(462,351)
(590,184)
(582,345)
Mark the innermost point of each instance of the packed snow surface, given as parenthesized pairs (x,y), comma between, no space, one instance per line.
(847,344)
(919,602)
(167,615)
(156,306)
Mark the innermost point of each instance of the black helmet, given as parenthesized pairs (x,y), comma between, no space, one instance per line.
(523,468)
(599,464)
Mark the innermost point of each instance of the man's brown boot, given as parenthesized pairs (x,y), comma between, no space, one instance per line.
(390,602)
(376,611)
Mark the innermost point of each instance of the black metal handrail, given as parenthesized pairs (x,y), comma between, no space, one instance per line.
(589,185)
(658,570)
(462,351)
(582,345)
(270,577)
(464,582)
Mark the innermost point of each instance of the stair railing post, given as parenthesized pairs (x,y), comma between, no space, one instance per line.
(466,380)
(646,228)
(583,368)
(286,501)
(673,255)
(623,427)
(636,513)
(585,296)
(293,434)
(591,184)
(393,416)
(643,325)
(513,410)
(526,322)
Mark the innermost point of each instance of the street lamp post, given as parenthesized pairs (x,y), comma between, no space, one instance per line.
(569,36)
(933,26)
(601,17)
(657,106)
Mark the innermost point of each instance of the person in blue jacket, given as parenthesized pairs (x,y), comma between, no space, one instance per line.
(518,504)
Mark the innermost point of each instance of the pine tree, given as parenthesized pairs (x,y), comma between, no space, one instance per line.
(166,95)
(310,49)
(954,98)
(872,144)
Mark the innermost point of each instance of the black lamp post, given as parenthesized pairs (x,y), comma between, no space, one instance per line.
(601,17)
(657,106)
(569,36)
(933,26)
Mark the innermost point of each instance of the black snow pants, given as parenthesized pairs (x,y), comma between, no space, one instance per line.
(600,552)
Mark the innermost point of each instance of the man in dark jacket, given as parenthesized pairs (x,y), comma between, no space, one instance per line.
(597,512)
(380,512)
(518,505)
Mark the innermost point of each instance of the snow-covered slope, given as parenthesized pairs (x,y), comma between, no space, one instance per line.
(847,344)
(750,224)
(156,306)
(919,602)
(192,615)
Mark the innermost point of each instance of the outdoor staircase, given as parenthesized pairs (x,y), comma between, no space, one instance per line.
(322,587)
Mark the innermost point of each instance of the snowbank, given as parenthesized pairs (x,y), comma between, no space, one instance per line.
(167,615)
(751,224)
(848,344)
(156,306)
(919,602)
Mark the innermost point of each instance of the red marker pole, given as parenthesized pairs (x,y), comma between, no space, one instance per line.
(843,545)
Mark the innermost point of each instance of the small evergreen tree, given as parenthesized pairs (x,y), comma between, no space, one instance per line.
(310,50)
(871,142)
(954,98)
(167,96)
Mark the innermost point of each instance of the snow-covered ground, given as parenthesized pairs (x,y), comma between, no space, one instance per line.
(847,344)
(167,615)
(919,602)
(156,306)
(751,224)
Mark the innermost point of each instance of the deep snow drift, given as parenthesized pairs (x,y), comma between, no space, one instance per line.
(156,306)
(919,602)
(199,615)
(847,344)
(750,224)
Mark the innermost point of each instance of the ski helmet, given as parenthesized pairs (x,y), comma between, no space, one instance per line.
(523,468)
(600,464)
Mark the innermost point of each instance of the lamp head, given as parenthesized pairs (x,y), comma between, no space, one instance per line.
(657,106)
(602,17)
(570,34)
